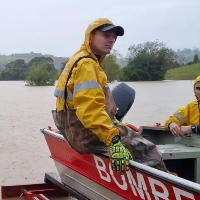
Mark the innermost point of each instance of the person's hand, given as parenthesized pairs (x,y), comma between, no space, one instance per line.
(175,129)
(119,157)
(186,130)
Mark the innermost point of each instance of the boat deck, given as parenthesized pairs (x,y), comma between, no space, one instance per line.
(177,151)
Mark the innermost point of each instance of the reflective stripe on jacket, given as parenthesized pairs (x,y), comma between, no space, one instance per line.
(188,115)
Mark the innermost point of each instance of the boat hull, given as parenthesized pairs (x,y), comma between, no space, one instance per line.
(91,174)
(84,185)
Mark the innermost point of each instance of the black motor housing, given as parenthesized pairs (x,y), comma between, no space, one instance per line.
(124,96)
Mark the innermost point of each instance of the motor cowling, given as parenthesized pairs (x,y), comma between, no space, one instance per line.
(124,97)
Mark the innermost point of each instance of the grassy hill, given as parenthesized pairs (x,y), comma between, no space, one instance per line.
(189,72)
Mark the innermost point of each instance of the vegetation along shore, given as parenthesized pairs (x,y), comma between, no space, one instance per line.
(148,61)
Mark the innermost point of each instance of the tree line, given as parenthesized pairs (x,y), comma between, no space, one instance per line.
(147,61)
(38,71)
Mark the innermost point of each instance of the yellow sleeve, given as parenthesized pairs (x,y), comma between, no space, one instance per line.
(89,102)
(179,117)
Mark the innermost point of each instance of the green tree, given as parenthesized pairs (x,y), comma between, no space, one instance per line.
(39,60)
(111,68)
(149,62)
(15,70)
(196,59)
(40,75)
(63,66)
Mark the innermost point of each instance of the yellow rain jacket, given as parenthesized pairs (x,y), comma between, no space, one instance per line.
(188,115)
(85,93)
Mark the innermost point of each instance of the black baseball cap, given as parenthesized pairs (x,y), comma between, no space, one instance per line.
(107,27)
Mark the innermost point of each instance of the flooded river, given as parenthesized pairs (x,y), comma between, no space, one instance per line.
(24,110)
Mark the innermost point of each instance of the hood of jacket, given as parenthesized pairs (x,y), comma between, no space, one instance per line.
(85,47)
(195,81)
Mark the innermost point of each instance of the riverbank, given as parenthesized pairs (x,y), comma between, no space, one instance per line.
(189,72)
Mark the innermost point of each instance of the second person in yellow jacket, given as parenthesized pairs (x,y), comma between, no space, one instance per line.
(186,120)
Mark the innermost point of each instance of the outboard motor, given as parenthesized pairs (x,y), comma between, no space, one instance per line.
(124,97)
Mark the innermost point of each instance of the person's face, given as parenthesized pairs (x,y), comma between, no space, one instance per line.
(101,43)
(197,90)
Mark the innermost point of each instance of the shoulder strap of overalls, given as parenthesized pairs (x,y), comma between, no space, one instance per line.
(70,73)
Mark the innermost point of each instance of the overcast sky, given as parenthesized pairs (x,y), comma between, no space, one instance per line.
(57,26)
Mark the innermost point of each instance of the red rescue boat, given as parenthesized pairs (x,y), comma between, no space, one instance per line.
(90,176)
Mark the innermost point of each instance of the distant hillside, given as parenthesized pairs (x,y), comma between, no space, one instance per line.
(184,56)
(187,55)
(122,62)
(188,72)
(4,59)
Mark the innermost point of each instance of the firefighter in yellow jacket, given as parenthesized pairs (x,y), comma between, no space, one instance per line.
(85,109)
(86,82)
(186,120)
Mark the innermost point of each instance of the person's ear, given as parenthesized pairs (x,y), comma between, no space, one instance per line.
(91,39)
